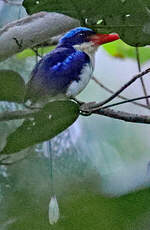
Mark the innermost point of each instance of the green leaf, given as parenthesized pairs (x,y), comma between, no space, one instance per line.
(122,50)
(30,53)
(51,120)
(12,86)
(131,19)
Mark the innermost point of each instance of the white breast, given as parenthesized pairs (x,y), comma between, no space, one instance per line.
(76,87)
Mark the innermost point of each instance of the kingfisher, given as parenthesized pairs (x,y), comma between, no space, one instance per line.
(65,71)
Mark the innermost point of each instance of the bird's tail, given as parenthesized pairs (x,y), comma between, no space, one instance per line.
(53,211)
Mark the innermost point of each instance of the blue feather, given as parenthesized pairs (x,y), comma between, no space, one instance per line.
(76,36)
(56,71)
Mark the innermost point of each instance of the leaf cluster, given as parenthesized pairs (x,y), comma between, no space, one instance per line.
(43,125)
(130,19)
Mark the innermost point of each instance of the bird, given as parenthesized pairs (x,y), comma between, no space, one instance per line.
(66,71)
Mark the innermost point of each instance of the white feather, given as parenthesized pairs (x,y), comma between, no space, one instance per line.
(89,48)
(76,87)
(53,211)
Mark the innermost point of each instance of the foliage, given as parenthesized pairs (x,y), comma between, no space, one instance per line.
(128,18)
(52,119)
(125,212)
(12,86)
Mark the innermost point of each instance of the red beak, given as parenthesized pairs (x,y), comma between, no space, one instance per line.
(99,39)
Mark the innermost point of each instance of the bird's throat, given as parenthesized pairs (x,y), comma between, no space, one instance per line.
(89,49)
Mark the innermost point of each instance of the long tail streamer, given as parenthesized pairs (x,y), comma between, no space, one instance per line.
(53,211)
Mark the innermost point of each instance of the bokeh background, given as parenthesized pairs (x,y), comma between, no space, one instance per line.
(101,166)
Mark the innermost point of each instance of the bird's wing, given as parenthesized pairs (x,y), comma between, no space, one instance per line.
(54,72)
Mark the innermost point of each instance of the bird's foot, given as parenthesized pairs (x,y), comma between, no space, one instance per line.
(85,109)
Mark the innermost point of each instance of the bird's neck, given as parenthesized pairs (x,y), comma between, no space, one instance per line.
(89,49)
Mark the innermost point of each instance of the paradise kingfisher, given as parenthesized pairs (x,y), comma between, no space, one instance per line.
(68,68)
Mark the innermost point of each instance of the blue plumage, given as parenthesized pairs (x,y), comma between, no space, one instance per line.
(57,70)
(53,74)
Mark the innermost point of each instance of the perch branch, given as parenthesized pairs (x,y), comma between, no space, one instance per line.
(129,117)
(94,106)
(20,114)
(7,116)
(119,96)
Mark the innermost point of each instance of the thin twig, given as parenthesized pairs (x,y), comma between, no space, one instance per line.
(98,105)
(119,96)
(141,79)
(50,151)
(35,50)
(124,102)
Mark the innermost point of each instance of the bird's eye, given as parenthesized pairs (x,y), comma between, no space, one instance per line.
(81,34)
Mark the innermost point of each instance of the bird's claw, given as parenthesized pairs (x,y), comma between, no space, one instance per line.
(85,109)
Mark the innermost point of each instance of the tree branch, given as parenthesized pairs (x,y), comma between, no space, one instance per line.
(130,117)
(119,96)
(31,31)
(20,114)
(51,42)
(89,107)
(141,79)
(124,102)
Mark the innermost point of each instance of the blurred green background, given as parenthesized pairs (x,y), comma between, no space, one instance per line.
(101,165)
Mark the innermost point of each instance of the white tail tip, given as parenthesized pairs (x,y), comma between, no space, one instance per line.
(53,211)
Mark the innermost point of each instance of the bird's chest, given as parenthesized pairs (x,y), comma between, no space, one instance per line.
(77,86)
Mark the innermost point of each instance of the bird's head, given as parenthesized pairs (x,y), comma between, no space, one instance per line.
(82,36)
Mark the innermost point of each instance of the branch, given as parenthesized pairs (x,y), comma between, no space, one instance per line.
(94,106)
(31,31)
(130,117)
(51,42)
(141,79)
(89,108)
(124,102)
(119,96)
(20,114)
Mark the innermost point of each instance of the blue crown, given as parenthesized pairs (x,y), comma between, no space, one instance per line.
(76,36)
